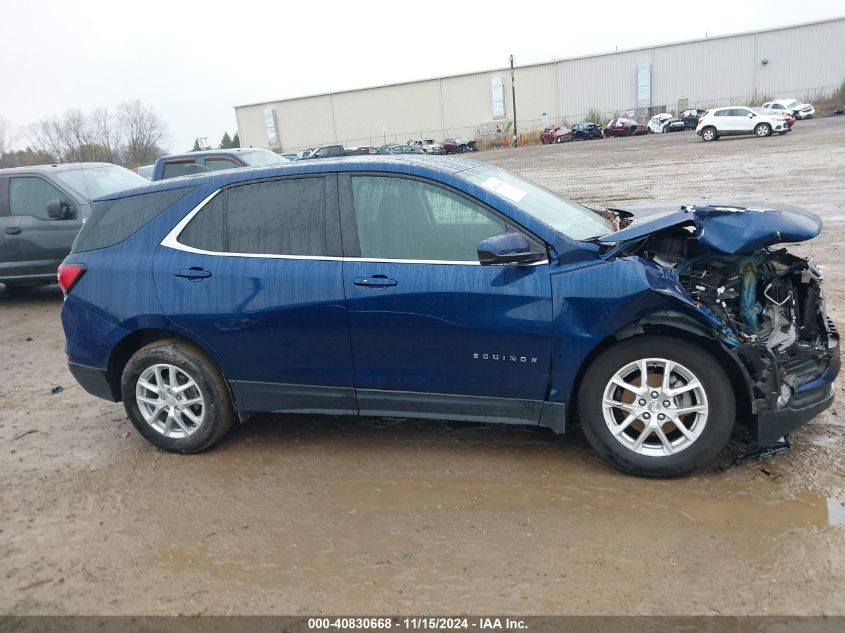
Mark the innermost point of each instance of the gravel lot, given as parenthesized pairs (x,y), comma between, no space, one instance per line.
(299,514)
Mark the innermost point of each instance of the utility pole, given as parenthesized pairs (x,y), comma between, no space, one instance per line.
(513,98)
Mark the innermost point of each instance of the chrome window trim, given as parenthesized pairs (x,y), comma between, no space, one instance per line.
(171,240)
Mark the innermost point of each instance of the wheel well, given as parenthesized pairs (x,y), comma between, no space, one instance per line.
(689,335)
(127,346)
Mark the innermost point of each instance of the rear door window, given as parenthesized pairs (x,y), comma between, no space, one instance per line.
(281,217)
(277,217)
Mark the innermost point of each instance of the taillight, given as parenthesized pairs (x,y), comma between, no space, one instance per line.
(68,275)
(699,121)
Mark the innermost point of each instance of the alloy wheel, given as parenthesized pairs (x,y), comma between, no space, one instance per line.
(170,400)
(655,407)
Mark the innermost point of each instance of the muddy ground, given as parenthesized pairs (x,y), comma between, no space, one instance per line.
(295,515)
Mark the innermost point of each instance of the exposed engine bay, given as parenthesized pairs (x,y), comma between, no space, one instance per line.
(766,304)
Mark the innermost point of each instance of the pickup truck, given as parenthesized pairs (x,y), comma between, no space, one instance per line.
(42,209)
(214,160)
(333,151)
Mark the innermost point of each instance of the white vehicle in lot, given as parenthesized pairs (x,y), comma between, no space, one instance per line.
(735,120)
(665,122)
(791,106)
(428,145)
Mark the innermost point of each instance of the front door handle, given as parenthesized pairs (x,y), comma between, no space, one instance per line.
(13,230)
(195,273)
(376,281)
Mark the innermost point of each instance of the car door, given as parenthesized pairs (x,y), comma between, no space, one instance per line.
(724,122)
(434,332)
(34,244)
(255,273)
(744,120)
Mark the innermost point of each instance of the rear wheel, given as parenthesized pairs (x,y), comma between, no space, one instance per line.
(708,134)
(763,129)
(656,406)
(175,397)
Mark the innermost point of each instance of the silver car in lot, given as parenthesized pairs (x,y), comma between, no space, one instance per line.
(428,145)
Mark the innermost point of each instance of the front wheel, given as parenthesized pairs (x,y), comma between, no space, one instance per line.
(763,130)
(656,406)
(175,397)
(708,134)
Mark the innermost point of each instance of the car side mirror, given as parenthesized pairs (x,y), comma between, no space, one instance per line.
(507,248)
(58,210)
(751,115)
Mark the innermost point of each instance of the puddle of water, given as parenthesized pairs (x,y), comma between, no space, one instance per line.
(806,509)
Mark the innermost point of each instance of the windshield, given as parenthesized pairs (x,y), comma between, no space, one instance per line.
(793,104)
(565,216)
(93,182)
(261,158)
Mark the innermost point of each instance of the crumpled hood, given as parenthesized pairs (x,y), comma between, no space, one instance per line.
(730,230)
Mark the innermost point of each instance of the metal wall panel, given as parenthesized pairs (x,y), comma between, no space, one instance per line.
(605,82)
(708,72)
(802,61)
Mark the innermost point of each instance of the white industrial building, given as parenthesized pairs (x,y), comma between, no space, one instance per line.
(802,61)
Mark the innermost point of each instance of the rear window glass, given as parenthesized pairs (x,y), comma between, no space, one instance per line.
(112,221)
(182,168)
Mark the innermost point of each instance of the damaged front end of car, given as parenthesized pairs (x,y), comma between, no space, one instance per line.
(764,305)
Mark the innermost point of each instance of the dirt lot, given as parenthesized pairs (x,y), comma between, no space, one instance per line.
(301,515)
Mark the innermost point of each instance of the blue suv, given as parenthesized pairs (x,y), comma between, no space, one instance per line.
(446,289)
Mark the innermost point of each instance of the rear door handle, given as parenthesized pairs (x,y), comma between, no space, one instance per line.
(13,230)
(194,273)
(376,281)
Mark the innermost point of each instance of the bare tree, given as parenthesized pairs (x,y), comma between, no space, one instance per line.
(142,131)
(133,137)
(106,133)
(48,136)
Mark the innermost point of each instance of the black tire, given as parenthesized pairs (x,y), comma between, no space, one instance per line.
(763,130)
(218,416)
(709,134)
(714,435)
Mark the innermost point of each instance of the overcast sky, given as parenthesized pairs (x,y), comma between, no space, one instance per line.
(193,61)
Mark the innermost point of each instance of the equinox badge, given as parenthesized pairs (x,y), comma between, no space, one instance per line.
(505,357)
